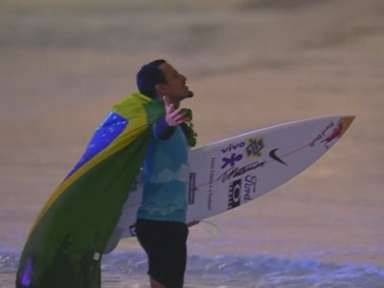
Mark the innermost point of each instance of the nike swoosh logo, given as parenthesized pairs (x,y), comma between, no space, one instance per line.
(272,154)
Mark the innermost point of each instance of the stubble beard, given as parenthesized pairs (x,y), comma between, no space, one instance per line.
(190,94)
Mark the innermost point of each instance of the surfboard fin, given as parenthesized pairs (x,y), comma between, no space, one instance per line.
(209,227)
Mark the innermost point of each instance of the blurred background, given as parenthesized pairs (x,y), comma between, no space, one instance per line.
(251,64)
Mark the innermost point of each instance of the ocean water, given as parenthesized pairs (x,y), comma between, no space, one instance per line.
(128,269)
(251,64)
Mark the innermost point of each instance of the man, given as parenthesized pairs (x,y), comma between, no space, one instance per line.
(71,233)
(160,226)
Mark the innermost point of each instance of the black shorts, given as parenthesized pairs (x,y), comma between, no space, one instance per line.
(166,246)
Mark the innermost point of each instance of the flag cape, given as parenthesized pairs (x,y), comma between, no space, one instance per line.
(68,238)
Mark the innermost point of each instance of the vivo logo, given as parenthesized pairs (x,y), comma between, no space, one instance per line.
(233,147)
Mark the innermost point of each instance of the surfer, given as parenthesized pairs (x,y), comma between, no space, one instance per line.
(160,226)
(70,234)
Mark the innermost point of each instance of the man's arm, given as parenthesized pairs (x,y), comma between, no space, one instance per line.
(165,126)
(193,223)
(162,130)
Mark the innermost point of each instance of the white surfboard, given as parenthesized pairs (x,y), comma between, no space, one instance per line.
(229,173)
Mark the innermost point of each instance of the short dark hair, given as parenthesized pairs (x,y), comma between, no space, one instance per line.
(149,76)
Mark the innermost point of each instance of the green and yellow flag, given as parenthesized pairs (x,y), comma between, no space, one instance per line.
(68,238)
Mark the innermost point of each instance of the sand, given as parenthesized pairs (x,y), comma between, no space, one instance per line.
(250,63)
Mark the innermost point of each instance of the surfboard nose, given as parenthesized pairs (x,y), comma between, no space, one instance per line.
(346,122)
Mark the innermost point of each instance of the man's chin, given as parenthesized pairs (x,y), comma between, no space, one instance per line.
(186,96)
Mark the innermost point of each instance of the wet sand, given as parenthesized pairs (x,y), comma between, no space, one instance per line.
(250,63)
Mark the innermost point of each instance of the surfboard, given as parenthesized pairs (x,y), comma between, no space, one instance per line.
(229,173)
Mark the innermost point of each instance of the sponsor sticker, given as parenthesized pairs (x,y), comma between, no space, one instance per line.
(249,187)
(231,160)
(234,194)
(191,188)
(239,171)
(210,186)
(337,132)
(255,147)
(273,156)
(321,135)
(232,147)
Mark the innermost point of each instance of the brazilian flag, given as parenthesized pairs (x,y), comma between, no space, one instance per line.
(68,238)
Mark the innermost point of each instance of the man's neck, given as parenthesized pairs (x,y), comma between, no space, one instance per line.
(176,104)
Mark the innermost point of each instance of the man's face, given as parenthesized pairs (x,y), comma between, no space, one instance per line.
(175,88)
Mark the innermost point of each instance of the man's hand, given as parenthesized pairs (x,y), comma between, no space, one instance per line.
(173,117)
(193,223)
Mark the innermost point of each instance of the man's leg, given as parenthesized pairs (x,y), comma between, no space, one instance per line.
(165,245)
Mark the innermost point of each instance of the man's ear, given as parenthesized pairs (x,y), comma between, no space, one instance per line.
(160,90)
